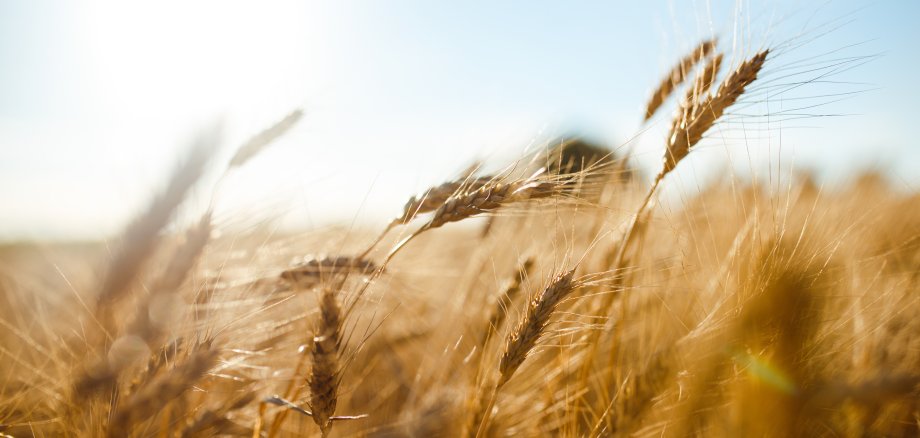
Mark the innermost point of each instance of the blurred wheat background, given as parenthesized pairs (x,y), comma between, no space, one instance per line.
(417,220)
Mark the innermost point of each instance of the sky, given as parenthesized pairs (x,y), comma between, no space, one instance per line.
(99,100)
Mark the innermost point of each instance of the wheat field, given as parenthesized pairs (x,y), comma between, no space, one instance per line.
(555,297)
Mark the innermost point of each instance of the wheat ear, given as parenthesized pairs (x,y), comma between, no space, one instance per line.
(314,270)
(691,126)
(429,201)
(522,340)
(489,198)
(435,197)
(500,311)
(676,76)
(152,397)
(261,140)
(324,377)
(486,199)
(700,89)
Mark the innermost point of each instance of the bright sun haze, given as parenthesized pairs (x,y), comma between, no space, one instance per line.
(99,100)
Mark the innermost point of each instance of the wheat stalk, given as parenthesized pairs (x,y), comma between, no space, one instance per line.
(695,118)
(697,115)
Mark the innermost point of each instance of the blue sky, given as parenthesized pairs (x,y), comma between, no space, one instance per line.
(99,98)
